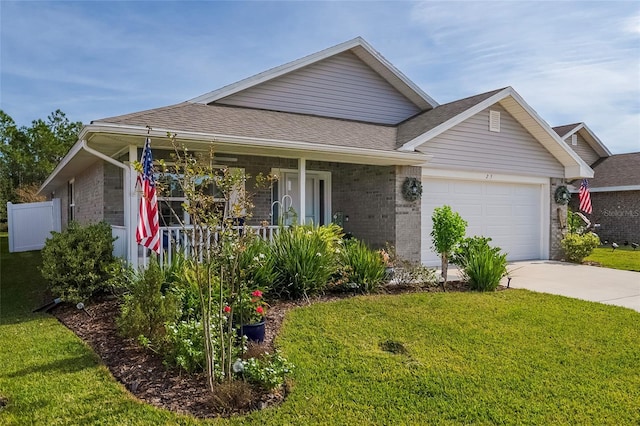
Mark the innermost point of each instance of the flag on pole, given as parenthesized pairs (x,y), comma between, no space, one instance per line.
(585,197)
(148,231)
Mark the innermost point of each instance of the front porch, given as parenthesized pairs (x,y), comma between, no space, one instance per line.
(364,199)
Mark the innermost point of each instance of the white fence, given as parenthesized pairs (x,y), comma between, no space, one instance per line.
(120,244)
(182,239)
(30,224)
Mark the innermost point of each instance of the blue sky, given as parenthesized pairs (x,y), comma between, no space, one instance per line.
(571,61)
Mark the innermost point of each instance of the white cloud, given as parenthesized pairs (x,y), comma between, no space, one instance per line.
(572,61)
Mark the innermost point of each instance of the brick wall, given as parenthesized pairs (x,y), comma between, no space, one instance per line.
(618,214)
(366,195)
(89,194)
(558,215)
(113,211)
(408,217)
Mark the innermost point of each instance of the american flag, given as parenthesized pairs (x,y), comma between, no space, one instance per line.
(148,231)
(585,197)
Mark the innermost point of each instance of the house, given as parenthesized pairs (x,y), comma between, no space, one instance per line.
(614,189)
(345,131)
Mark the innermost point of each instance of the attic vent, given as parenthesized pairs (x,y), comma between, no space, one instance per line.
(494,121)
(574,139)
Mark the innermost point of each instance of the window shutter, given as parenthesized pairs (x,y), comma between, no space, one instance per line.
(494,121)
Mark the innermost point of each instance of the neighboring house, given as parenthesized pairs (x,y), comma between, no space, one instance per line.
(583,141)
(615,187)
(344,130)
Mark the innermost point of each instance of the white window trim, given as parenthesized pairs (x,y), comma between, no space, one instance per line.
(186,219)
(325,175)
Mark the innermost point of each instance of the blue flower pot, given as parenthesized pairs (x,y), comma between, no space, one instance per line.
(254,332)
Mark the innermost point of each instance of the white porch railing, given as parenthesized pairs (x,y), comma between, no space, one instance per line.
(180,239)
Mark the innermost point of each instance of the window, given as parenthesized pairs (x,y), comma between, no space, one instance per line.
(71,205)
(494,121)
(171,198)
(574,139)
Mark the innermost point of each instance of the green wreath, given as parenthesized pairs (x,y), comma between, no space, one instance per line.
(562,195)
(411,189)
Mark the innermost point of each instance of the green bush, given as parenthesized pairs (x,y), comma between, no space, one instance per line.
(484,267)
(461,253)
(185,346)
(305,259)
(269,371)
(146,308)
(79,264)
(257,265)
(364,269)
(577,247)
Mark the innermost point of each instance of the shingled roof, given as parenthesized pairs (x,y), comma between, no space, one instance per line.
(563,130)
(617,170)
(260,124)
(428,120)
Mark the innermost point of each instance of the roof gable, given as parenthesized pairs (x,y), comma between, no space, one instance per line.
(350,80)
(431,119)
(471,146)
(512,102)
(341,86)
(594,142)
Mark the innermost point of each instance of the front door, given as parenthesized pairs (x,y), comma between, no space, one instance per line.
(317,198)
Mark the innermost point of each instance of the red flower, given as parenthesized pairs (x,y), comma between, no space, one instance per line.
(227,309)
(257,293)
(260,310)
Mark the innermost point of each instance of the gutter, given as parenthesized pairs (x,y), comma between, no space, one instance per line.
(407,158)
(83,145)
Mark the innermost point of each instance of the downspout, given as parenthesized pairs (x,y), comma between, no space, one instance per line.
(127,199)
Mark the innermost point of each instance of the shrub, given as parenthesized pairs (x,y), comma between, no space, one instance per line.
(577,247)
(78,263)
(268,371)
(146,309)
(448,231)
(364,269)
(484,267)
(411,274)
(257,264)
(185,346)
(461,254)
(304,259)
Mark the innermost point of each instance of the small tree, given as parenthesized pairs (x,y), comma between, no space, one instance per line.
(216,247)
(448,230)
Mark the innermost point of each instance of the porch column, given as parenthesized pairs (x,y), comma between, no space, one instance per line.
(302,181)
(130,192)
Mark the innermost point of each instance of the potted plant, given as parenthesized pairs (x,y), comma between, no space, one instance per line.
(249,315)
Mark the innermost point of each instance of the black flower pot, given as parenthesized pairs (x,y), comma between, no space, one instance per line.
(254,332)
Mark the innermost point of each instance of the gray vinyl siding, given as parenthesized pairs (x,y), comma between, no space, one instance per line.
(584,150)
(341,86)
(471,146)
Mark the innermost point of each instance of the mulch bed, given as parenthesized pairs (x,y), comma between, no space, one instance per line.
(142,371)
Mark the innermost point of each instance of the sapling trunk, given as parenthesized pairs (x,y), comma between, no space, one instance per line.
(445,268)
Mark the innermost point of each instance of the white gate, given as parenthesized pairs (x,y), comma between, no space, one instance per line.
(30,224)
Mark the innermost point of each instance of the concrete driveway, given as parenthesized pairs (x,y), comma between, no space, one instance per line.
(604,285)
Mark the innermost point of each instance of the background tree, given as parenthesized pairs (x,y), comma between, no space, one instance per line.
(448,231)
(29,154)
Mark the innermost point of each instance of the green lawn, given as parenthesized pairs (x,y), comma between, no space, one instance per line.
(621,258)
(512,357)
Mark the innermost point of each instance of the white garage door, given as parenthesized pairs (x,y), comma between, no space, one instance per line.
(509,213)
